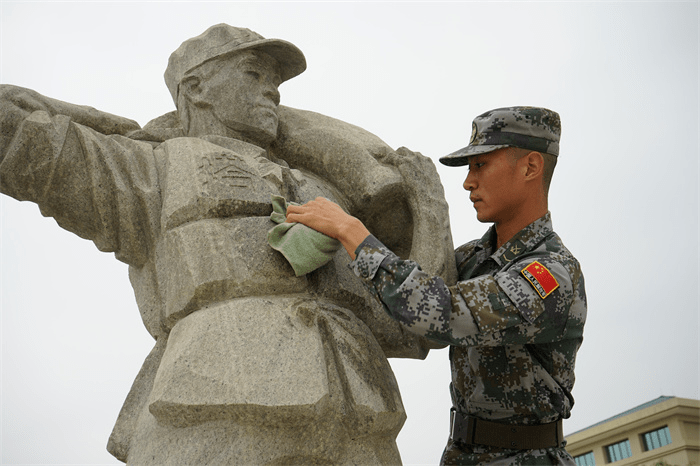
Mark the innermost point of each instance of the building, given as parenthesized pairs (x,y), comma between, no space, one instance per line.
(663,431)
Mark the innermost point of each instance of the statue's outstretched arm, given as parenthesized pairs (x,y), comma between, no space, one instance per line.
(74,163)
(17,103)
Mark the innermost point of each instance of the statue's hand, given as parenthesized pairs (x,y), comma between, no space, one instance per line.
(102,122)
(16,104)
(417,170)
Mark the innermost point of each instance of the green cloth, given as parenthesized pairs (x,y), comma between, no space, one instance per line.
(304,248)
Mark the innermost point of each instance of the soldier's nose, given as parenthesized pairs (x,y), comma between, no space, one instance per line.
(469,183)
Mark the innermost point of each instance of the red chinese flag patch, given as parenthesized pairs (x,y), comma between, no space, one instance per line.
(540,278)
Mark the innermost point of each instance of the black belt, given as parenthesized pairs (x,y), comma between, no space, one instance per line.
(471,430)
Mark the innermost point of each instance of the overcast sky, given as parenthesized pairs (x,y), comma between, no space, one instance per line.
(623,76)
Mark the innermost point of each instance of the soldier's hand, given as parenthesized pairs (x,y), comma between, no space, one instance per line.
(330,219)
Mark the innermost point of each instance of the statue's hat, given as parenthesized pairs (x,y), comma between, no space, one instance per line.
(222,39)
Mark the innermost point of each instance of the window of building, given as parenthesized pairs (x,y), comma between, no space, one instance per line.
(585,460)
(657,438)
(619,451)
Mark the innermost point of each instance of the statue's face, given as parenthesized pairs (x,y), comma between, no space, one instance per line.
(243,94)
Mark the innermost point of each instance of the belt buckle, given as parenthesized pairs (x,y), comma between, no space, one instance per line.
(452,423)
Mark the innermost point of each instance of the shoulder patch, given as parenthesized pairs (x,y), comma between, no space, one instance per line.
(540,278)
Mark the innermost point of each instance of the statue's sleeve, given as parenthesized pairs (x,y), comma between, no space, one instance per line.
(100,187)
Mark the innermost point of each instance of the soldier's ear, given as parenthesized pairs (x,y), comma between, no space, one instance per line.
(191,88)
(535,165)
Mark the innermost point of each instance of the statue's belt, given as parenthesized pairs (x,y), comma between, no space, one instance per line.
(471,430)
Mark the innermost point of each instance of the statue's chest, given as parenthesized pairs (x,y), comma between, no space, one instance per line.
(214,224)
(201,180)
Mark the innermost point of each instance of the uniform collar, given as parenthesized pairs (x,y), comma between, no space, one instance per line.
(523,241)
(235,145)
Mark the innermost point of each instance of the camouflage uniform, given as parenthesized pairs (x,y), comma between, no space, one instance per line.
(512,350)
(514,319)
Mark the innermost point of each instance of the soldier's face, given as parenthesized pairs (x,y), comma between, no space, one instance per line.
(494,186)
(244,95)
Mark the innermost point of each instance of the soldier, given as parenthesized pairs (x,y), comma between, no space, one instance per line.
(253,364)
(514,321)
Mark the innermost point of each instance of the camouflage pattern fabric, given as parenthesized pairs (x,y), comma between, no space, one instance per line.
(532,128)
(514,322)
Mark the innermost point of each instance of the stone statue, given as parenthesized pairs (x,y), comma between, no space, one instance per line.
(252,364)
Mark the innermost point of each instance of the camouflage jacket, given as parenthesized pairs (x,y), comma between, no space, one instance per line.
(514,319)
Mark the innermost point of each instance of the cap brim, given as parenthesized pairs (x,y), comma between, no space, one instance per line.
(461,157)
(291,59)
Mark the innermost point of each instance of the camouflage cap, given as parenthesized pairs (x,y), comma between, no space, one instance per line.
(532,128)
(222,39)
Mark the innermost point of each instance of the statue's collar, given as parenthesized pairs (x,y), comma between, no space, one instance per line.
(236,145)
